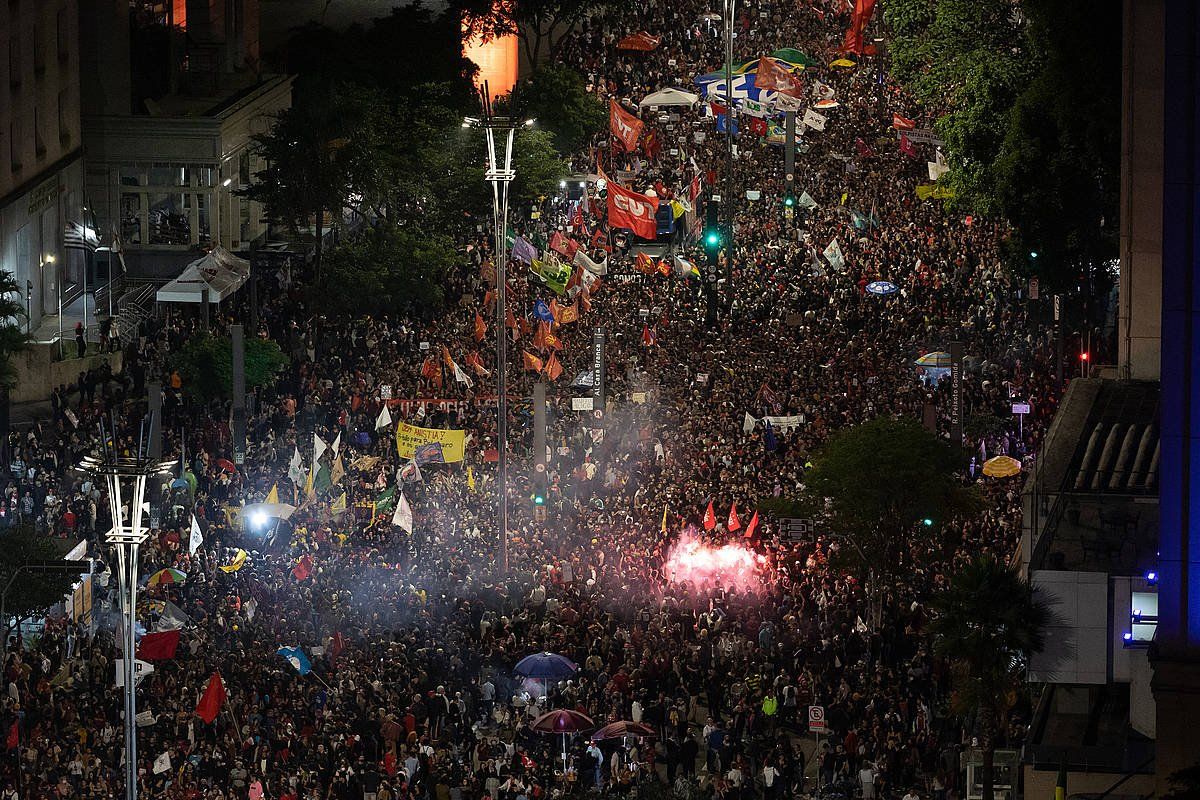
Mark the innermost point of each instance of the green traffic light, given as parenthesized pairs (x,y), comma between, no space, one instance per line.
(712,238)
(927,521)
(538,500)
(789,201)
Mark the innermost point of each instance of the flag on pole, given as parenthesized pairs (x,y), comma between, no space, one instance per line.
(710,517)
(212,700)
(480,327)
(296,468)
(239,560)
(296,657)
(13,741)
(734,523)
(171,618)
(303,568)
(403,518)
(384,420)
(273,495)
(158,646)
(195,539)
(664,521)
(752,527)
(162,763)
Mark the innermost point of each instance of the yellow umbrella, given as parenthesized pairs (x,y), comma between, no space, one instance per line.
(1001,467)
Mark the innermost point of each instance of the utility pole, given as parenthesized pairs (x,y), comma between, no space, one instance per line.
(727,194)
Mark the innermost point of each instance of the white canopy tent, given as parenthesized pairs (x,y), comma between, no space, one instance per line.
(220,272)
(670,97)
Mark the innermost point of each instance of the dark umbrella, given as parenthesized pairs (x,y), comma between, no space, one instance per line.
(615,730)
(562,721)
(550,666)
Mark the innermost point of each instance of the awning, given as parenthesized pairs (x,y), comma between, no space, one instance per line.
(220,272)
(670,97)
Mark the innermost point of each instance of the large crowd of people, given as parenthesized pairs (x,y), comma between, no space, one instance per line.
(413,636)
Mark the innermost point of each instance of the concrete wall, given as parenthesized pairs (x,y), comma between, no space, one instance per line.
(1139,330)
(38,373)
(1040,783)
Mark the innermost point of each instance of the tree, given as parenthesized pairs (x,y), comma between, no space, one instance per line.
(877,481)
(541,25)
(389,270)
(30,591)
(14,338)
(556,96)
(987,623)
(205,365)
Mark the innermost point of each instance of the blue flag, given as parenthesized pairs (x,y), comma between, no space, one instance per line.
(542,311)
(721,122)
(295,656)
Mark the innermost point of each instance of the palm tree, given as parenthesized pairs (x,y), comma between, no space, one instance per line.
(987,624)
(14,337)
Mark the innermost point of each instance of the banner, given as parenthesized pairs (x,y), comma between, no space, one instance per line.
(625,127)
(814,120)
(410,437)
(628,209)
(778,77)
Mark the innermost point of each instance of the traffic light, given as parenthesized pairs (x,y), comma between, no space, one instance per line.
(927,522)
(712,231)
(789,200)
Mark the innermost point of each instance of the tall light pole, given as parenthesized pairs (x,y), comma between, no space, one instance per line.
(126,477)
(500,173)
(729,7)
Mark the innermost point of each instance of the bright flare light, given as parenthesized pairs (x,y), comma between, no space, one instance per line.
(733,566)
(258,519)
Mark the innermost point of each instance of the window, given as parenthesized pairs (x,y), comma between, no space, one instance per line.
(166,175)
(131,218)
(64,36)
(39,141)
(14,145)
(14,62)
(64,122)
(130,176)
(169,223)
(203,203)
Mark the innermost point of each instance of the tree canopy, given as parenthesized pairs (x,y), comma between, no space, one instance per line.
(541,25)
(558,99)
(13,336)
(205,365)
(31,592)
(877,481)
(1028,102)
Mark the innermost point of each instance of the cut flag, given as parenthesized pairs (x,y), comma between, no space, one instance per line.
(158,646)
(710,517)
(625,127)
(212,700)
(631,210)
(752,527)
(734,523)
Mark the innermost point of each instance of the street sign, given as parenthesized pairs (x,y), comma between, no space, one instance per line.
(1057,307)
(1020,408)
(816,719)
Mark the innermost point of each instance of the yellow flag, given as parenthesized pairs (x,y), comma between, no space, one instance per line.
(273,495)
(239,560)
(338,472)
(233,516)
(471,478)
(339,505)
(664,521)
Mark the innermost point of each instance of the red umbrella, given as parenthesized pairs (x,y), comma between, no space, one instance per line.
(562,721)
(227,465)
(615,730)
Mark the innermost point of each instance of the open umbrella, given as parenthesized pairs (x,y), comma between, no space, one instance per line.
(226,465)
(562,721)
(794,57)
(938,358)
(1001,467)
(616,730)
(167,576)
(882,288)
(547,666)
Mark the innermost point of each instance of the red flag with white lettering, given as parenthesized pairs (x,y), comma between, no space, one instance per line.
(710,517)
(627,209)
(625,127)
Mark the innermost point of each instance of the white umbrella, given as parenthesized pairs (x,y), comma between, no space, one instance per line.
(670,97)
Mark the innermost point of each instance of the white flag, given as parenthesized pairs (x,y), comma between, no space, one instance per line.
(403,517)
(805,201)
(833,254)
(814,120)
(462,377)
(195,539)
(250,608)
(938,167)
(172,618)
(162,764)
(421,411)
(384,420)
(319,448)
(296,468)
(589,266)
(748,423)
(786,102)
(337,443)
(821,91)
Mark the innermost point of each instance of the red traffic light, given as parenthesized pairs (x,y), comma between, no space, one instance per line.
(1083,356)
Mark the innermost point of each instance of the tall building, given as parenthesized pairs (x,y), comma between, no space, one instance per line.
(41,174)
(169,115)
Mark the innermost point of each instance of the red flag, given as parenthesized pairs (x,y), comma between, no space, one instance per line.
(158,646)
(212,700)
(864,149)
(753,526)
(532,362)
(664,268)
(539,338)
(758,126)
(336,646)
(710,517)
(475,362)
(773,75)
(14,737)
(558,243)
(480,327)
(628,209)
(652,144)
(625,127)
(734,522)
(643,263)
(853,43)
(907,147)
(902,122)
(649,336)
(553,368)
(569,314)
(303,568)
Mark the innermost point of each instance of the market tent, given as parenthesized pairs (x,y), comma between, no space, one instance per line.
(220,272)
(670,97)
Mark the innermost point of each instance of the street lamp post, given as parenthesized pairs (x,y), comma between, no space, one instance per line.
(126,477)
(729,8)
(500,173)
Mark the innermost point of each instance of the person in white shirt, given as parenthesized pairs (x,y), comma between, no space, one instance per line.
(912,795)
(866,778)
